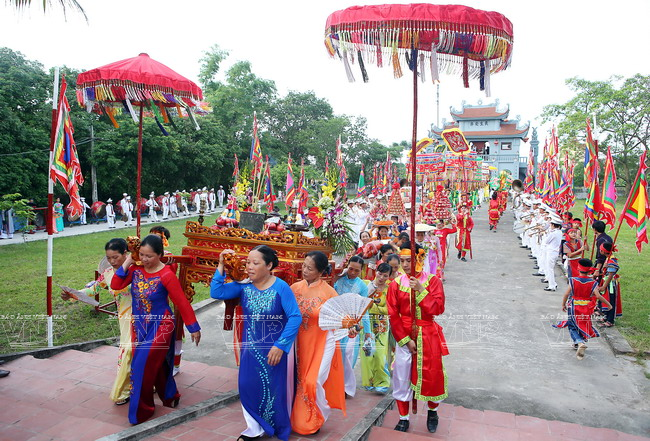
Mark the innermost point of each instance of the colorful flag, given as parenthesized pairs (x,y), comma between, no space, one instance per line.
(339,155)
(592,204)
(327,167)
(289,191)
(65,165)
(269,197)
(256,150)
(361,188)
(608,205)
(303,194)
(591,158)
(637,210)
(343,177)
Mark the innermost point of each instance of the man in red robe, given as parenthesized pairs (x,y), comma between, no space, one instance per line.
(465,224)
(418,372)
(441,232)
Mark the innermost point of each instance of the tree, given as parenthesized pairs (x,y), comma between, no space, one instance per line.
(65,5)
(24,124)
(622,110)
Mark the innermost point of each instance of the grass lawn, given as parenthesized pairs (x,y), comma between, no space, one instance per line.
(23,282)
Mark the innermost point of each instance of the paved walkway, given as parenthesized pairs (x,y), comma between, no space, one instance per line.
(505,356)
(92,228)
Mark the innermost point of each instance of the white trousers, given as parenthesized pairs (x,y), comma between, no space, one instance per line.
(541,260)
(129,218)
(323,373)
(551,258)
(220,201)
(401,381)
(110,220)
(165,211)
(152,214)
(348,366)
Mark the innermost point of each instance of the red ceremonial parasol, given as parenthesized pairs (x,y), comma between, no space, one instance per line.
(449,38)
(141,82)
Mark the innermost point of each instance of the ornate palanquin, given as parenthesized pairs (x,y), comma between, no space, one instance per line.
(205,244)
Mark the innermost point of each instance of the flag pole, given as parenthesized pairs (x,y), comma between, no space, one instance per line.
(50,211)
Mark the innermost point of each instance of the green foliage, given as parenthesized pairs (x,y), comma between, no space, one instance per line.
(622,110)
(299,123)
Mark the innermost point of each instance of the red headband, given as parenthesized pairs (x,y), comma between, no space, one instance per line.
(606,252)
(585,269)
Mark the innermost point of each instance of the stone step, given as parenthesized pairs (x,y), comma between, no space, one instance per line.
(66,397)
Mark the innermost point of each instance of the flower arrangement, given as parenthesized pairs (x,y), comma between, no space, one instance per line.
(328,218)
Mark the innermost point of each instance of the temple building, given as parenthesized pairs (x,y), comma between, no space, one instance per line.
(494,138)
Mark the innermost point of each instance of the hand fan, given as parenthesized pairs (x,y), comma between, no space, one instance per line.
(342,312)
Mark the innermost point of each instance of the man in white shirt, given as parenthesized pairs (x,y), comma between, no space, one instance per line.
(110,213)
(212,201)
(184,209)
(173,205)
(552,243)
(197,200)
(127,209)
(165,205)
(152,204)
(84,207)
(221,194)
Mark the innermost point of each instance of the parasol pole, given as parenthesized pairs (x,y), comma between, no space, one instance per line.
(414,328)
(50,211)
(139,183)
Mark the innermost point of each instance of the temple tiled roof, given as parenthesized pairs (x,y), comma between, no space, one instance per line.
(482,112)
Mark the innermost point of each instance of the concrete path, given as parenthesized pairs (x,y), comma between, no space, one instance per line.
(91,228)
(505,356)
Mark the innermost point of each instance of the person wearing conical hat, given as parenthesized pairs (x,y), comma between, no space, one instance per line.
(418,371)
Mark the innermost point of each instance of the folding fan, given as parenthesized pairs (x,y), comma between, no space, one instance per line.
(340,313)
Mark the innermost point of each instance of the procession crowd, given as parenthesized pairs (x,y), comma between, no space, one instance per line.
(396,339)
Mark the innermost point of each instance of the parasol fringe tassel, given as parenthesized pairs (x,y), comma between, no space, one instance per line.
(488,92)
(346,64)
(435,73)
(465,72)
(397,68)
(422,69)
(481,80)
(129,106)
(160,126)
(193,118)
(364,73)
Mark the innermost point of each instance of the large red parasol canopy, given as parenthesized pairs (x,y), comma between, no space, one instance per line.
(452,38)
(138,78)
(140,81)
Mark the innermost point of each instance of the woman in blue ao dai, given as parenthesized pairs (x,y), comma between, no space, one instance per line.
(152,327)
(271,321)
(350,282)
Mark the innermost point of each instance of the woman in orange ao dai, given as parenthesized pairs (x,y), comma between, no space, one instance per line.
(320,382)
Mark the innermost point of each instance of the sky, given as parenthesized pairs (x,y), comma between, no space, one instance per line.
(553,40)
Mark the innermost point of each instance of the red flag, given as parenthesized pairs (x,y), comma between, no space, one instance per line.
(290,191)
(269,197)
(327,166)
(235,172)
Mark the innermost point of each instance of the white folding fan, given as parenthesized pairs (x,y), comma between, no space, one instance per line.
(346,309)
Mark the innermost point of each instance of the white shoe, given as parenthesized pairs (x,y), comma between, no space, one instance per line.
(176,371)
(582,347)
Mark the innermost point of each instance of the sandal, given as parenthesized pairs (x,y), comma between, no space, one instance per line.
(122,402)
(607,324)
